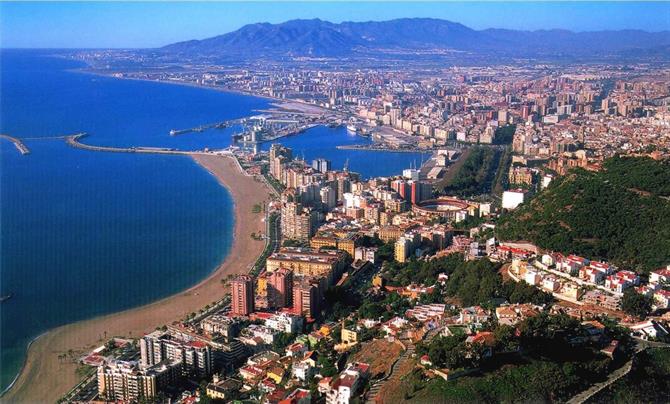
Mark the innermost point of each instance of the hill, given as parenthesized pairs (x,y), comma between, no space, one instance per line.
(319,38)
(620,214)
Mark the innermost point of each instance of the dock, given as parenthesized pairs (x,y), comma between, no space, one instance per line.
(20,146)
(202,128)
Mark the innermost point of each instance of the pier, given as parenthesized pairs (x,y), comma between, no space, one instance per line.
(20,146)
(202,128)
(74,141)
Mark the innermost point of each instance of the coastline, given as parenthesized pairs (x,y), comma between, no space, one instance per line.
(279,103)
(45,378)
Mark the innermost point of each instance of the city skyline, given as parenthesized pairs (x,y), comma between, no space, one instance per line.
(148,25)
(311,202)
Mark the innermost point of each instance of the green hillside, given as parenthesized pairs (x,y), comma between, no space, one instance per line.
(620,214)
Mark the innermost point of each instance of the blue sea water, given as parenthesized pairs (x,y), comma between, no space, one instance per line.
(322,142)
(87,233)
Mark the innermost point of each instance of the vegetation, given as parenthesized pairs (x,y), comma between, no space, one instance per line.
(477,174)
(276,185)
(536,381)
(452,352)
(325,361)
(647,382)
(501,179)
(636,304)
(642,174)
(282,340)
(295,243)
(472,282)
(537,363)
(505,134)
(620,214)
(384,309)
(260,262)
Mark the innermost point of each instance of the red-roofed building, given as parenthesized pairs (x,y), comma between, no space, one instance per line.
(571,264)
(648,289)
(611,349)
(251,372)
(662,299)
(473,315)
(298,396)
(591,274)
(346,384)
(507,252)
(621,280)
(483,337)
(601,266)
(660,275)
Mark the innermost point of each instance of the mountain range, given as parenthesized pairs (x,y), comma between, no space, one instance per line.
(318,38)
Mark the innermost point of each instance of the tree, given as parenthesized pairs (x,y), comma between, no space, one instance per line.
(328,368)
(620,214)
(371,310)
(636,304)
(505,338)
(447,351)
(281,341)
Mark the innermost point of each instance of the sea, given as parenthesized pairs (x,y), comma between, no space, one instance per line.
(86,233)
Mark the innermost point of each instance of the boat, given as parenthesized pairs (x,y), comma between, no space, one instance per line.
(352,129)
(4,298)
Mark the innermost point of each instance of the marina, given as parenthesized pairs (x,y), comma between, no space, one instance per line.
(262,128)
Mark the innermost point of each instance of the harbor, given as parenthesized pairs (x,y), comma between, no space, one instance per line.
(269,126)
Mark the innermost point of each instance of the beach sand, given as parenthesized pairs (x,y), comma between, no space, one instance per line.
(45,377)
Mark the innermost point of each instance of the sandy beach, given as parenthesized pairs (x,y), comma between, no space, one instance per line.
(45,377)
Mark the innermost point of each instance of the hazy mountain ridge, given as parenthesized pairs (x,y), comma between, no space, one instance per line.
(322,38)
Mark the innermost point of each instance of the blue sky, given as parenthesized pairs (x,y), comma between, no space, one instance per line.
(126,24)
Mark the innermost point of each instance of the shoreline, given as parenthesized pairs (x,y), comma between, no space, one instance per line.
(279,103)
(45,378)
(23,364)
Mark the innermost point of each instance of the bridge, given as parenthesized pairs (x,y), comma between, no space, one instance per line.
(20,146)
